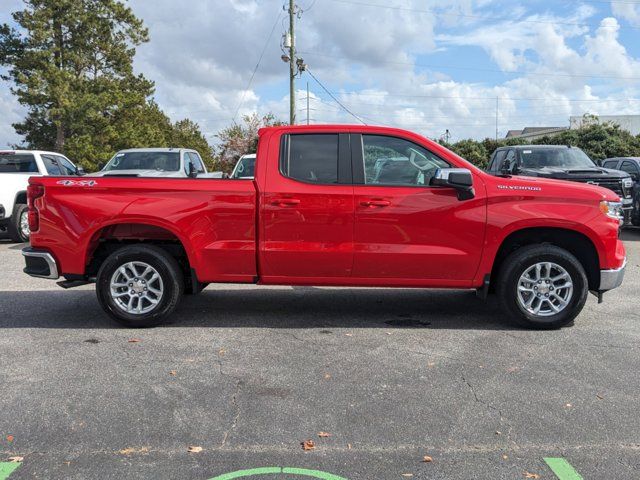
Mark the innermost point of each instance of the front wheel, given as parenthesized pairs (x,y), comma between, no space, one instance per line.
(139,285)
(543,286)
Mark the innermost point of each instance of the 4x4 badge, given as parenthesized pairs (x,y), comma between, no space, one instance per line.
(78,183)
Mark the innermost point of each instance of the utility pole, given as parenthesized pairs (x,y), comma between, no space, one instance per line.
(497,99)
(292,63)
(307,103)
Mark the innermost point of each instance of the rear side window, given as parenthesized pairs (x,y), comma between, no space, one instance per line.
(311,158)
(18,163)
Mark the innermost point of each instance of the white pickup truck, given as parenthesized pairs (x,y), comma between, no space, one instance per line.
(156,162)
(16,166)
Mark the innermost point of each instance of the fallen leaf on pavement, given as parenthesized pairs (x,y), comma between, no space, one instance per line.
(9,438)
(131,450)
(568,405)
(407,474)
(531,475)
(221,352)
(348,446)
(173,372)
(308,445)
(327,376)
(194,449)
(324,434)
(498,432)
(599,397)
(427,459)
(348,334)
(16,459)
(505,457)
(134,340)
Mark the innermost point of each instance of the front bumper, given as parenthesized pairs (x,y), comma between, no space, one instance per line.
(40,264)
(610,279)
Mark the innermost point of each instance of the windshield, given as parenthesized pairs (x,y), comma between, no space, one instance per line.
(161,161)
(245,168)
(555,157)
(18,163)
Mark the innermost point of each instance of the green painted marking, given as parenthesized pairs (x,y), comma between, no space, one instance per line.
(563,469)
(7,468)
(273,470)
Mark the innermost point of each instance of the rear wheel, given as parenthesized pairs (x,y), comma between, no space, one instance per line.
(139,285)
(19,225)
(543,286)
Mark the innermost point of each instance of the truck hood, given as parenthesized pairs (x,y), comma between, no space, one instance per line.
(138,173)
(576,174)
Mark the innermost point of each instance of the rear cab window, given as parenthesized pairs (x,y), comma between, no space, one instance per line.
(310,158)
(18,163)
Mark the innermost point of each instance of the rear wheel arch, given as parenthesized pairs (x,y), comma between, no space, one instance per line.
(112,237)
(21,197)
(576,243)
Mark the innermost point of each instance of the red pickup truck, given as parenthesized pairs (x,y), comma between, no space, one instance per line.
(331,205)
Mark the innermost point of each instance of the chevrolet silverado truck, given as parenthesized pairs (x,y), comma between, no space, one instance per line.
(562,162)
(331,206)
(16,166)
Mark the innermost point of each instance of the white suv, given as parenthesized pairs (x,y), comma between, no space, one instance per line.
(16,166)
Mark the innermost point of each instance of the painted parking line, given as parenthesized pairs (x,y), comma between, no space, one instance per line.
(7,468)
(563,469)
(277,470)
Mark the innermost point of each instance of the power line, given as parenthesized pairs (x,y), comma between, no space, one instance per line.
(480,17)
(478,69)
(335,99)
(264,49)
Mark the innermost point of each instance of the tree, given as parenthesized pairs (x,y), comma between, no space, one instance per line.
(240,139)
(71,65)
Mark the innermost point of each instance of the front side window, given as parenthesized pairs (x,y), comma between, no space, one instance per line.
(312,158)
(51,165)
(395,161)
(631,168)
(610,164)
(197,162)
(66,167)
(496,164)
(159,161)
(18,163)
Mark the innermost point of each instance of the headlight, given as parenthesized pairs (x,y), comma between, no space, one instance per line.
(612,210)
(627,182)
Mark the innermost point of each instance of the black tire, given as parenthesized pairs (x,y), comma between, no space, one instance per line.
(522,259)
(167,268)
(635,214)
(15,231)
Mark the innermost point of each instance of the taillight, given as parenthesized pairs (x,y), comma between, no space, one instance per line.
(33,193)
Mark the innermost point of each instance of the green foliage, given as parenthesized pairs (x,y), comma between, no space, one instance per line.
(71,63)
(240,139)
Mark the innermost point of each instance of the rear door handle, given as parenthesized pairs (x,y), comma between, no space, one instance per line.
(375,203)
(285,202)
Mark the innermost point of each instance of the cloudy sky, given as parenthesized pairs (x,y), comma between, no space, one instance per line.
(426,65)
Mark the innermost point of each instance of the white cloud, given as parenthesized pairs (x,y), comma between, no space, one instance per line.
(629,11)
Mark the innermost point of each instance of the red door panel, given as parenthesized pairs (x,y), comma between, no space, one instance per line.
(417,233)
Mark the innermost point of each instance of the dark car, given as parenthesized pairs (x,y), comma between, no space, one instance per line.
(631,165)
(562,163)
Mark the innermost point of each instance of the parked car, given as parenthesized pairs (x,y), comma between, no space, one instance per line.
(16,166)
(244,167)
(155,162)
(562,163)
(631,165)
(311,217)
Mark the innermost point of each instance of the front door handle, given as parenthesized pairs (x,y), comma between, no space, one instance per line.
(375,203)
(285,202)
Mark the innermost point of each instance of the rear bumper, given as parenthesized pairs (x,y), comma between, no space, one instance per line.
(610,279)
(40,264)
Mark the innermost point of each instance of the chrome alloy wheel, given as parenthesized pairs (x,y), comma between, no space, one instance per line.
(545,289)
(136,288)
(24,224)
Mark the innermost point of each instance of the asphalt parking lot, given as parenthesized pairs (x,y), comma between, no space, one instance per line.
(248,373)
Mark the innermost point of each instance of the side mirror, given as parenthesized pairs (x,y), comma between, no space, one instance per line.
(80,171)
(509,169)
(458,178)
(193,173)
